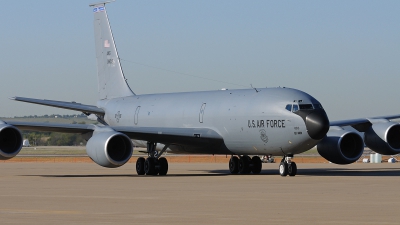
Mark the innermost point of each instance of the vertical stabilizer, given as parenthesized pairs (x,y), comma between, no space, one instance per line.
(112,82)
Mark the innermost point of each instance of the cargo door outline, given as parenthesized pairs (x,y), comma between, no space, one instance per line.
(136,118)
(201,115)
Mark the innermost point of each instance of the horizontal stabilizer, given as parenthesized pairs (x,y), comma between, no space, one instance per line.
(100,3)
(86,109)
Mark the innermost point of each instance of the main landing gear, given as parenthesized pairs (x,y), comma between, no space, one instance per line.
(287,167)
(154,164)
(245,165)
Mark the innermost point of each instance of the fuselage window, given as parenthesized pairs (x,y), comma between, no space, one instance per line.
(295,108)
(289,108)
(306,107)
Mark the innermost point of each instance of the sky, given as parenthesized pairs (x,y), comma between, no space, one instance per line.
(344,53)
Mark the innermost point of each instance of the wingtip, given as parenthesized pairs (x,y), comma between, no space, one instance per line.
(13,98)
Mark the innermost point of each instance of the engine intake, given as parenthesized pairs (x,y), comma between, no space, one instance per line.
(109,148)
(341,147)
(383,138)
(10,141)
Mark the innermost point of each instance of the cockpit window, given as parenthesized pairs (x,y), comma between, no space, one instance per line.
(306,107)
(318,106)
(295,108)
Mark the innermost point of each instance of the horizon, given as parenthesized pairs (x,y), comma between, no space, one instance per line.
(345,54)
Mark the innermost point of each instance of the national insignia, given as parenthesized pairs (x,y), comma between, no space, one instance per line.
(263,136)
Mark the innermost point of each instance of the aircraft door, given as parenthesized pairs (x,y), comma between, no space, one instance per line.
(136,119)
(201,115)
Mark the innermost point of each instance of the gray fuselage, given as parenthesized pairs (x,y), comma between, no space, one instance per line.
(250,122)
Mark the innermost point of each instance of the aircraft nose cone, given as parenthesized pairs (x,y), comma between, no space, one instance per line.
(317,124)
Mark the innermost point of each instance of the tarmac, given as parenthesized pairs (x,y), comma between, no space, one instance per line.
(198,193)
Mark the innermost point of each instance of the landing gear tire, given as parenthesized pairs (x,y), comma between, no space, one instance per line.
(163,166)
(244,165)
(283,169)
(234,165)
(257,165)
(140,166)
(150,166)
(292,169)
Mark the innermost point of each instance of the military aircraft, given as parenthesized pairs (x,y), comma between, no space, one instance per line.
(244,122)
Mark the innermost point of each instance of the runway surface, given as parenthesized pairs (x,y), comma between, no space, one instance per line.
(198,193)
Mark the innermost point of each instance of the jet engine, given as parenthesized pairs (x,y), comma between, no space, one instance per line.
(383,138)
(109,148)
(10,141)
(341,146)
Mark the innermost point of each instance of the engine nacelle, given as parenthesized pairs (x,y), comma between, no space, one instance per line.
(341,146)
(383,138)
(109,148)
(10,141)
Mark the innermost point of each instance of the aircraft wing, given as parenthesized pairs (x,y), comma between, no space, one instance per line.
(53,127)
(183,136)
(87,109)
(361,124)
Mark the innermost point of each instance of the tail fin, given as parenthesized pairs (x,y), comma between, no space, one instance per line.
(112,82)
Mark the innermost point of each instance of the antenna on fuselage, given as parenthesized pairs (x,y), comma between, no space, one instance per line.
(254,88)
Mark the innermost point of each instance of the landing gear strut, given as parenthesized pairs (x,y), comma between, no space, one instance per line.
(245,165)
(154,164)
(287,167)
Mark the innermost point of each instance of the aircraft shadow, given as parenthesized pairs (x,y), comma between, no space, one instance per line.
(125,175)
(218,173)
(378,172)
(331,172)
